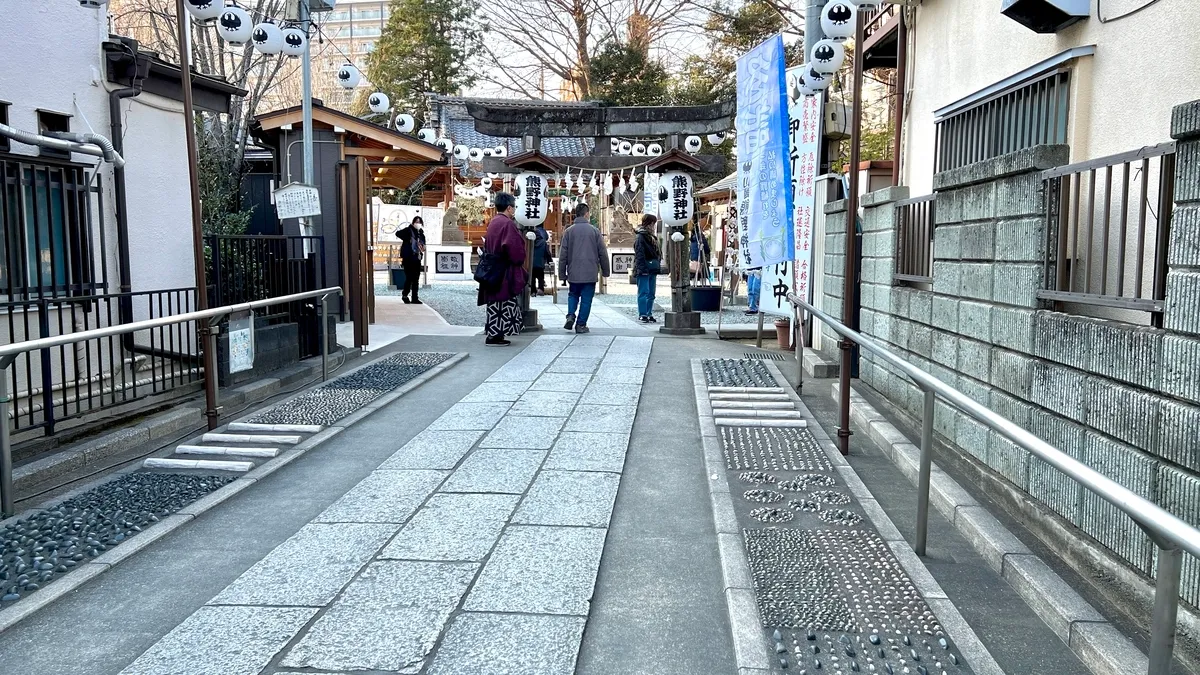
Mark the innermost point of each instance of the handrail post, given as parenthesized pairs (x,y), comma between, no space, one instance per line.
(211,392)
(798,345)
(7,498)
(324,337)
(1166,609)
(758,341)
(923,476)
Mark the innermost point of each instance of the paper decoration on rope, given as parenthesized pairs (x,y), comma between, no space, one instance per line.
(532,195)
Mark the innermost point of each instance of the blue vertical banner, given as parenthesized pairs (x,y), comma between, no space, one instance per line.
(764,170)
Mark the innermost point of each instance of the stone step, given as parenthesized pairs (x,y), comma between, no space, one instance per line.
(759,422)
(755,405)
(749,397)
(747,390)
(200,464)
(275,428)
(226,450)
(250,438)
(775,414)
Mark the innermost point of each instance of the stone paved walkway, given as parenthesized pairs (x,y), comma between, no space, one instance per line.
(472,549)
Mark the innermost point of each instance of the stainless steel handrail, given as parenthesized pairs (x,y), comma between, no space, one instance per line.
(212,316)
(1171,534)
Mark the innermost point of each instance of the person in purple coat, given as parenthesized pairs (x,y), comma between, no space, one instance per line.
(503,240)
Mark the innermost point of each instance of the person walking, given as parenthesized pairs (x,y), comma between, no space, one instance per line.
(501,274)
(541,259)
(581,255)
(753,289)
(412,253)
(699,254)
(647,265)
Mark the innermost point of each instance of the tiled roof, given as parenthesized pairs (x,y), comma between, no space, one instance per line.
(724,185)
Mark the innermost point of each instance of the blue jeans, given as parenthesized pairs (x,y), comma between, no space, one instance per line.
(753,290)
(645,284)
(580,296)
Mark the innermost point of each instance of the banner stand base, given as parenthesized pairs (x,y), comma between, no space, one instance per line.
(681,323)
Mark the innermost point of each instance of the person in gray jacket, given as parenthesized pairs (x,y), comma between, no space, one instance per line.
(582,255)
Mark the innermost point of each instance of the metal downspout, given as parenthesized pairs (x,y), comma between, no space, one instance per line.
(125,284)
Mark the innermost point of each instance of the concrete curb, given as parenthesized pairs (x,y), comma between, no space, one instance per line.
(1098,644)
(972,648)
(104,562)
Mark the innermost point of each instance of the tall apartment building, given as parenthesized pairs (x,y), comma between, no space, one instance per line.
(350,32)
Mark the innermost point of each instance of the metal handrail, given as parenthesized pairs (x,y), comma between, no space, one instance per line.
(1171,534)
(211,317)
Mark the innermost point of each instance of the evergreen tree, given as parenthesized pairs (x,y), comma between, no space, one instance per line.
(622,74)
(424,48)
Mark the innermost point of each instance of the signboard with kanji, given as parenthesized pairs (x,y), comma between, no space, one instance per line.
(532,203)
(297,201)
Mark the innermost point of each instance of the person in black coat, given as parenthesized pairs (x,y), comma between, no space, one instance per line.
(647,265)
(541,259)
(412,252)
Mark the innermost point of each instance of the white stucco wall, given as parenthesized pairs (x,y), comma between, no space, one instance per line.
(1121,98)
(51,51)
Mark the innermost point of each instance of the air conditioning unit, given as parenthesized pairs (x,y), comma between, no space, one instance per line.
(1046,16)
(837,120)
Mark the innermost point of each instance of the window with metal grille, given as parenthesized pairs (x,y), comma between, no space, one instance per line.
(46,244)
(1033,112)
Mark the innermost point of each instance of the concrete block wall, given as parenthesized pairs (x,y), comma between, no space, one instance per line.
(1123,398)
(835,266)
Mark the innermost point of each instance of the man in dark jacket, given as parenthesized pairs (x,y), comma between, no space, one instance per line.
(582,255)
(412,251)
(504,241)
(541,259)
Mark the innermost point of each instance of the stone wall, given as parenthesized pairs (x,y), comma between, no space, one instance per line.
(1123,398)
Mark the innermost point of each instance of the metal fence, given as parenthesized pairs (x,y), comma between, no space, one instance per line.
(1108,222)
(914,240)
(67,381)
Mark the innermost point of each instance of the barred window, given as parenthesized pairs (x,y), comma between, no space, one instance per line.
(1031,112)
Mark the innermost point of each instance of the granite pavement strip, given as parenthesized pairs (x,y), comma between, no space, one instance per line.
(473,549)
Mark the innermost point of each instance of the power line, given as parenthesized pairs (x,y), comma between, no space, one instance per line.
(1100,14)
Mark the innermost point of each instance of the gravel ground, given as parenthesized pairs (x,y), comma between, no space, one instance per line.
(454,300)
(39,549)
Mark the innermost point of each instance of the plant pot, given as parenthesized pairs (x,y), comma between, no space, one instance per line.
(398,277)
(783,333)
(706,298)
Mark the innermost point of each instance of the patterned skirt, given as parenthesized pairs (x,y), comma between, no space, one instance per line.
(504,318)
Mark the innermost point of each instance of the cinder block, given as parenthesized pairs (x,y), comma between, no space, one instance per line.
(1060,338)
(974,359)
(1182,310)
(920,306)
(1131,354)
(1059,432)
(1010,408)
(1059,389)
(975,390)
(945,313)
(1181,367)
(1017,283)
(920,340)
(945,349)
(978,241)
(972,436)
(1128,414)
(975,320)
(1187,172)
(978,201)
(1185,237)
(901,328)
(1012,328)
(946,277)
(1021,240)
(944,416)
(947,242)
(1008,459)
(1047,484)
(1178,426)
(883,326)
(1108,524)
(1011,372)
(900,296)
(976,281)
(1021,195)
(947,375)
(1179,493)
(948,207)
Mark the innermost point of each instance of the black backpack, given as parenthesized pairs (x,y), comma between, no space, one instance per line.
(490,270)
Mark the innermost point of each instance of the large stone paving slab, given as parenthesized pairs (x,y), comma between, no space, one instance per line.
(524,432)
(509,644)
(540,570)
(469,416)
(611,394)
(383,497)
(570,382)
(580,351)
(580,451)
(223,641)
(388,618)
(612,419)
(575,365)
(544,404)
(492,392)
(582,498)
(453,527)
(524,371)
(310,568)
(607,374)
(496,470)
(433,450)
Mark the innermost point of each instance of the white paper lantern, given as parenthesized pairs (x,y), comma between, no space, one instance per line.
(614,145)
(267,38)
(445,144)
(654,150)
(827,56)
(639,149)
(294,41)
(203,10)
(806,90)
(428,135)
(626,147)
(235,25)
(676,237)
(717,138)
(533,199)
(691,144)
(500,151)
(379,102)
(348,76)
(675,205)
(485,182)
(405,123)
(838,19)
(817,81)
(531,235)
(487,152)
(461,151)
(475,155)
(867,4)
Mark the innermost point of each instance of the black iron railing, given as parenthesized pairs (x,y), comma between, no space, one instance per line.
(59,383)
(914,240)
(1108,222)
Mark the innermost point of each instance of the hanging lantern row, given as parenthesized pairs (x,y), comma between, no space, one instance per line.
(236,26)
(691,144)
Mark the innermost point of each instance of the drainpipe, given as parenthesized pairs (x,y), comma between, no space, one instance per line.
(125,285)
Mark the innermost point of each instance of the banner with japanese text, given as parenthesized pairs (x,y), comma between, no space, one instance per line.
(763,172)
(805,131)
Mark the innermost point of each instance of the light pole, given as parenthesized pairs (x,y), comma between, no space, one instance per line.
(851,269)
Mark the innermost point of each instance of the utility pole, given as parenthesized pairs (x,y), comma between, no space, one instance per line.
(305,16)
(850,271)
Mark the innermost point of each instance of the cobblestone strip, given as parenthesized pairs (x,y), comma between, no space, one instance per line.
(472,549)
